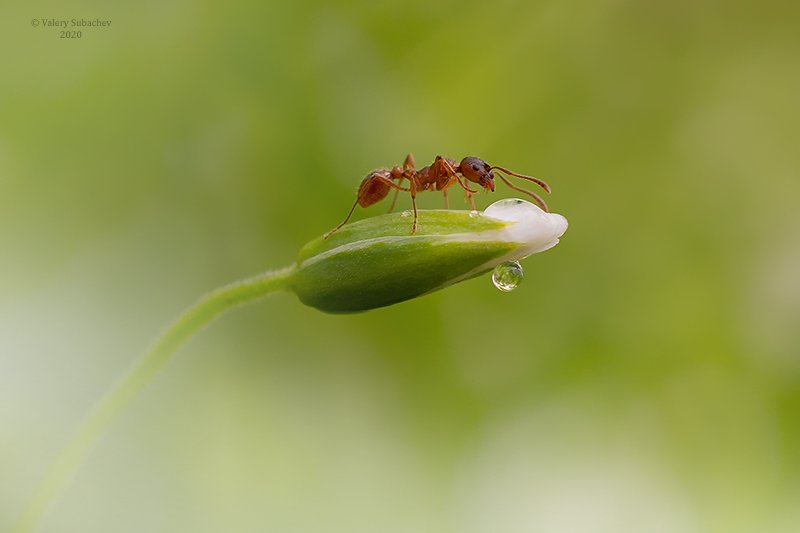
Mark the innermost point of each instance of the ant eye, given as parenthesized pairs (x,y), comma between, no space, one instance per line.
(475,167)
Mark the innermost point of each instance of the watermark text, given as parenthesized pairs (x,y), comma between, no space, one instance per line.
(70,28)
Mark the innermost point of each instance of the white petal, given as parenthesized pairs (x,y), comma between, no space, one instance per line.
(537,229)
(532,228)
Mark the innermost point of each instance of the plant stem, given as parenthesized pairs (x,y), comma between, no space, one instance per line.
(190,322)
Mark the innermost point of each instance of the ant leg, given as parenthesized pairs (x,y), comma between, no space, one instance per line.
(362,196)
(414,206)
(466,189)
(408,164)
(394,201)
(468,197)
(334,230)
(446,203)
(390,183)
(442,167)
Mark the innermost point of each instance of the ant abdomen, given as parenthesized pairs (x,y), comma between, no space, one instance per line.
(373,189)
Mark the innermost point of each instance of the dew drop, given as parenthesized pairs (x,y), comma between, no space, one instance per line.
(406,213)
(506,276)
(474,214)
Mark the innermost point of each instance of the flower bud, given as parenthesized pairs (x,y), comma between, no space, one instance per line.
(377,262)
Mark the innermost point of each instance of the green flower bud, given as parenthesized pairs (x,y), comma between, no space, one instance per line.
(377,262)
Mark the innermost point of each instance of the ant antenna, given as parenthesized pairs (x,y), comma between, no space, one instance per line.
(536,197)
(537,181)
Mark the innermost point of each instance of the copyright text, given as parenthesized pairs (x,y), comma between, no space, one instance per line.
(70,23)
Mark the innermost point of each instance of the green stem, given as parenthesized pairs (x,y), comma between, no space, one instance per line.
(190,322)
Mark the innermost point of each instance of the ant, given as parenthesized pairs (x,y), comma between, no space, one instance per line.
(438,176)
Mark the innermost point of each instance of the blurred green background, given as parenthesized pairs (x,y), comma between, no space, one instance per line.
(645,377)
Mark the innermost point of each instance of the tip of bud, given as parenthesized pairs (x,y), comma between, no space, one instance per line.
(536,228)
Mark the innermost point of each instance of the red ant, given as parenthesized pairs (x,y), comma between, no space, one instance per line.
(439,176)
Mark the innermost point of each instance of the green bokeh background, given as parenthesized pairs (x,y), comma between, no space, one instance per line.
(645,377)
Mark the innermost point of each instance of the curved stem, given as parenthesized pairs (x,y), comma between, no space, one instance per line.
(190,322)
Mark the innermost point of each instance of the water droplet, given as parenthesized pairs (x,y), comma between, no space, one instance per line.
(474,214)
(507,276)
(406,213)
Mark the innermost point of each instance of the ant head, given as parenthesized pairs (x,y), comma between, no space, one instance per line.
(477,171)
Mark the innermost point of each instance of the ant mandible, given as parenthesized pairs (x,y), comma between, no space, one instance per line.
(438,176)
